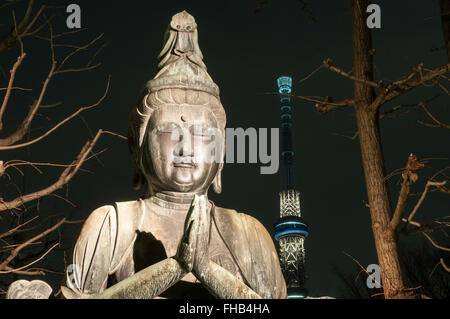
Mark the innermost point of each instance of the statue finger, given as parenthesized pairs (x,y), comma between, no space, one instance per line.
(193,210)
(203,215)
(192,230)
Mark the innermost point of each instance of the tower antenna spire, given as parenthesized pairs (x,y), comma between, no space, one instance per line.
(290,230)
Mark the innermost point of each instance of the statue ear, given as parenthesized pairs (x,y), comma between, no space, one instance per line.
(217,182)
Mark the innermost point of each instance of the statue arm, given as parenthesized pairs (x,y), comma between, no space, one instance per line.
(224,285)
(147,283)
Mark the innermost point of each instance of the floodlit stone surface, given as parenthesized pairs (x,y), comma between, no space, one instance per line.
(24,289)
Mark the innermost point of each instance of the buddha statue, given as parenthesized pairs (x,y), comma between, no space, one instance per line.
(174,242)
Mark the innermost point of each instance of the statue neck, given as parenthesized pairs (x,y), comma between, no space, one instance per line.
(173,200)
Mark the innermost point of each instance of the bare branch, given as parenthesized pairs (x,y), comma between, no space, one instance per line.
(25,272)
(12,231)
(328,105)
(14,163)
(324,105)
(27,31)
(420,228)
(311,74)
(23,128)
(16,270)
(422,197)
(434,244)
(10,147)
(84,47)
(16,251)
(328,63)
(63,179)
(438,123)
(409,106)
(352,137)
(11,38)
(444,265)
(87,68)
(409,176)
(362,268)
(9,88)
(413,80)
(443,88)
(23,28)
(16,88)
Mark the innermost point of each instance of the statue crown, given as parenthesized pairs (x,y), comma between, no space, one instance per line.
(181,60)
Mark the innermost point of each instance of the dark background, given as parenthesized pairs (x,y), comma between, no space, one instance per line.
(245,53)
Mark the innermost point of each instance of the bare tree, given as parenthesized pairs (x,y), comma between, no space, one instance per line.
(16,212)
(422,270)
(388,224)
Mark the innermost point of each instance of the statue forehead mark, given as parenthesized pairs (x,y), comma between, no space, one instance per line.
(184,114)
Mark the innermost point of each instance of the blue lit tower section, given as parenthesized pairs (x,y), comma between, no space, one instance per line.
(290,230)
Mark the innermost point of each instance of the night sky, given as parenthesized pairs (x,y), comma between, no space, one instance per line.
(244,53)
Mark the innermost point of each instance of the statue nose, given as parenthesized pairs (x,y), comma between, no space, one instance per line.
(186,148)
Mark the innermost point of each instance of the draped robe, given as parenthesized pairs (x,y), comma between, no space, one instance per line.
(118,240)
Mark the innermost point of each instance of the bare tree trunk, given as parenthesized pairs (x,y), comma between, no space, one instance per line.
(372,156)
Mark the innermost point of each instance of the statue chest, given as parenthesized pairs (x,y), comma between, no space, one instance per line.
(158,239)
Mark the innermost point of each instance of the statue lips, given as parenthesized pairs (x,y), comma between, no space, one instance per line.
(185,162)
(184,165)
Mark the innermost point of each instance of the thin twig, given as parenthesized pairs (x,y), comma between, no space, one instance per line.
(63,179)
(9,88)
(23,128)
(328,63)
(444,265)
(16,270)
(10,147)
(434,244)
(422,197)
(362,268)
(12,231)
(438,123)
(16,251)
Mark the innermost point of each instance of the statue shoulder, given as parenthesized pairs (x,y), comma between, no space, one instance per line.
(241,220)
(99,221)
(113,229)
(130,215)
(247,237)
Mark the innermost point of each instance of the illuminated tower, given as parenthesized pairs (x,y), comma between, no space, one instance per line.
(290,230)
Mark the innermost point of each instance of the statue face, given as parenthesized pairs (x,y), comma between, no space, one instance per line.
(180,149)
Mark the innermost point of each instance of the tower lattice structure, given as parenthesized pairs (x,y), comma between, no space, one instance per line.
(290,230)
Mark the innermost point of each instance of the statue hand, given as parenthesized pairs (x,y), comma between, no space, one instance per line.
(186,248)
(201,257)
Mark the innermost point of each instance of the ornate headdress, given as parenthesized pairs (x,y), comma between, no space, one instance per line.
(182,79)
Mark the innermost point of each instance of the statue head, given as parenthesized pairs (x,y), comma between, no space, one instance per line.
(167,138)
